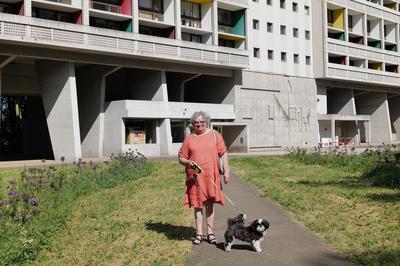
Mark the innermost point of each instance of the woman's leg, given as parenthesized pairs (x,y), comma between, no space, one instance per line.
(198,218)
(210,217)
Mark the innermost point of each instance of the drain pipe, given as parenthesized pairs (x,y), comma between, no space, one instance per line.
(183,86)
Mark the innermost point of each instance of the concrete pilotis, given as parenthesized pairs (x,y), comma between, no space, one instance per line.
(58,86)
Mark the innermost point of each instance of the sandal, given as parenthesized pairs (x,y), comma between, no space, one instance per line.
(198,239)
(211,239)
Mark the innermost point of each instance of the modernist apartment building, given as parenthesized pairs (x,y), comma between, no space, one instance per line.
(356,66)
(83,78)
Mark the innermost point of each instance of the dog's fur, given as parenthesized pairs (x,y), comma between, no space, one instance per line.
(253,234)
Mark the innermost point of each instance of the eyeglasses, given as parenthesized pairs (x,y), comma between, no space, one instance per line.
(199,122)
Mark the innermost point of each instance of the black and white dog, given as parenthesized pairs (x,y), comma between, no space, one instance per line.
(253,234)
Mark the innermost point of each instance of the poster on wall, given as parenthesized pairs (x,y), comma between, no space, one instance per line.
(136,137)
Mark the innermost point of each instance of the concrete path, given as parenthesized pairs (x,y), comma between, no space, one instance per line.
(286,241)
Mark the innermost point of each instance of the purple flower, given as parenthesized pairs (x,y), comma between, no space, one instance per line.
(33,200)
(12,192)
(25,197)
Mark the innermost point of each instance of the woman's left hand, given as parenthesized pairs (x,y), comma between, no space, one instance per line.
(226,178)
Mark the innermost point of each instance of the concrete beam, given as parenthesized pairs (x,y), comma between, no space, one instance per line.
(110,60)
(341,101)
(58,86)
(394,108)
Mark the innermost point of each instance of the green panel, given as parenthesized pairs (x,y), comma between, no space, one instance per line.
(238,22)
(128,26)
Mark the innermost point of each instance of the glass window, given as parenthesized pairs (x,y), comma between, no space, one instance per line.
(295,32)
(269,27)
(256,24)
(5,8)
(225,17)
(283,3)
(308,60)
(307,10)
(151,5)
(269,2)
(307,34)
(177,131)
(270,55)
(191,37)
(296,58)
(294,7)
(191,10)
(283,56)
(52,15)
(283,30)
(226,43)
(256,52)
(140,131)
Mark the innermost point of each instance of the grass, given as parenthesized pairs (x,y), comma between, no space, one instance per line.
(357,219)
(141,222)
(6,175)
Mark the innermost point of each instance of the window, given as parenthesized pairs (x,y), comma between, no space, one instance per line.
(177,131)
(52,15)
(295,58)
(256,52)
(6,8)
(283,30)
(283,3)
(308,60)
(294,7)
(255,1)
(269,2)
(295,32)
(283,56)
(270,55)
(256,24)
(330,17)
(350,22)
(307,34)
(140,131)
(306,10)
(368,26)
(226,43)
(224,17)
(190,10)
(270,27)
(152,5)
(191,37)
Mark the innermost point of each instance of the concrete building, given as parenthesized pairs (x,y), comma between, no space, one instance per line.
(357,77)
(94,77)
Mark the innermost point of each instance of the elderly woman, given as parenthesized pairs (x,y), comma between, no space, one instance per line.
(203,147)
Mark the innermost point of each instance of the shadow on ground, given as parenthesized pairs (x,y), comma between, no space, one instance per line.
(235,246)
(175,232)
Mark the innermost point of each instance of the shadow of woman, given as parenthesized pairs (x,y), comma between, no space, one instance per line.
(175,232)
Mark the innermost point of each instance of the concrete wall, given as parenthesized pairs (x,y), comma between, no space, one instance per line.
(322,101)
(394,108)
(20,79)
(341,101)
(58,86)
(90,88)
(278,110)
(376,105)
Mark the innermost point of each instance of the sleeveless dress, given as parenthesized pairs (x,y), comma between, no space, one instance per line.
(206,186)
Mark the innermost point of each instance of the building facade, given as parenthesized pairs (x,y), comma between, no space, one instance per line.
(91,78)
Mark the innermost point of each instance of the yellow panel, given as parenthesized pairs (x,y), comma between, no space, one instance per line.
(377,66)
(338,18)
(230,37)
(392,5)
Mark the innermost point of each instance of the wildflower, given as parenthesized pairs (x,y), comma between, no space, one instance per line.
(33,200)
(12,192)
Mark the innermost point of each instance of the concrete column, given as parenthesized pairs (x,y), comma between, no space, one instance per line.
(178,23)
(85,12)
(27,8)
(394,108)
(165,127)
(376,105)
(333,128)
(135,15)
(214,21)
(58,86)
(91,92)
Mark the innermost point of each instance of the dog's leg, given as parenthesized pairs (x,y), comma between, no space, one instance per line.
(228,243)
(256,245)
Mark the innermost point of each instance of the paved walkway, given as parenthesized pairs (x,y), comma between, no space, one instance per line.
(286,241)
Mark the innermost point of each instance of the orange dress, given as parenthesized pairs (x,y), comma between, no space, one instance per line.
(203,150)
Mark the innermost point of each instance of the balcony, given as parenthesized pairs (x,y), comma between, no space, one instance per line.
(194,23)
(151,15)
(31,31)
(66,2)
(226,29)
(104,7)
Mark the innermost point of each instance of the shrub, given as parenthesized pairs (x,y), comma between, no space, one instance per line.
(39,202)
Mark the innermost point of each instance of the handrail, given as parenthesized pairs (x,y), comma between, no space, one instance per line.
(105,7)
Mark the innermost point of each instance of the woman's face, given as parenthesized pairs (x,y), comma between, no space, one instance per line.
(200,124)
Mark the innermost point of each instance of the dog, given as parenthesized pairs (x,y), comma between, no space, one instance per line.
(253,234)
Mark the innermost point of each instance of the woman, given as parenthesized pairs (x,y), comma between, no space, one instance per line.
(203,147)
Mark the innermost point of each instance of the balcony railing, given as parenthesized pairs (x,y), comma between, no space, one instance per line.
(226,29)
(67,2)
(194,23)
(105,7)
(151,15)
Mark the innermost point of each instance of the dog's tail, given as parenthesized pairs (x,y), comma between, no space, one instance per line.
(238,219)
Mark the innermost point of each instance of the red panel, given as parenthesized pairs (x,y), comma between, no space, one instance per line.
(126,7)
(78,17)
(20,8)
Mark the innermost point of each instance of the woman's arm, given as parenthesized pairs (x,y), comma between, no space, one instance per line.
(226,168)
(185,162)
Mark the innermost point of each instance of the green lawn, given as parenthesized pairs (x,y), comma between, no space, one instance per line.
(359,220)
(5,176)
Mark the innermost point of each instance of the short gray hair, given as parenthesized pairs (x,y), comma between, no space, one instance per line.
(205,116)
